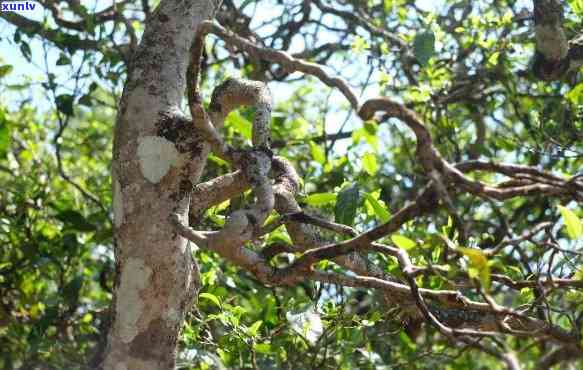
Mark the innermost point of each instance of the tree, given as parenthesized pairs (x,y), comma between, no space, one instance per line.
(448,227)
(158,155)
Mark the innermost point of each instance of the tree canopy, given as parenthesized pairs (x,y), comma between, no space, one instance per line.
(425,167)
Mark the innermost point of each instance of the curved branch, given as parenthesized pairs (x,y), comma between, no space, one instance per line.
(289,63)
(34,27)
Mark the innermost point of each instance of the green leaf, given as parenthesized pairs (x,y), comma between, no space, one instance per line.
(572,223)
(93,86)
(478,262)
(493,59)
(4,137)
(370,164)
(359,44)
(577,6)
(25,49)
(70,242)
(406,341)
(526,295)
(368,133)
(17,87)
(51,313)
(317,153)
(218,161)
(211,297)
(72,289)
(424,47)
(103,235)
(264,348)
(403,242)
(319,199)
(476,256)
(5,70)
(240,124)
(347,203)
(86,100)
(380,211)
(253,329)
(65,104)
(75,220)
(575,96)
(63,60)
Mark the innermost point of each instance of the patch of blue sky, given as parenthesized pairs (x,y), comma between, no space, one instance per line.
(353,66)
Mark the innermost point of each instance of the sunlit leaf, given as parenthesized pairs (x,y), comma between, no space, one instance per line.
(403,242)
(406,341)
(317,153)
(370,164)
(253,329)
(380,211)
(219,161)
(211,297)
(264,348)
(572,223)
(478,262)
(576,94)
(359,44)
(240,124)
(319,199)
(577,6)
(493,58)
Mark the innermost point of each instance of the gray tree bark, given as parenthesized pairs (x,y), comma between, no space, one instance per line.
(157,156)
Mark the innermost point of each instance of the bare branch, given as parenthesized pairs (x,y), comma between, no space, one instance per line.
(288,62)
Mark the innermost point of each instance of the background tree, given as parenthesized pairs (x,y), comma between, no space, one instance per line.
(401,190)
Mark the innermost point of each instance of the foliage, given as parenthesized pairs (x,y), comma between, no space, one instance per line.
(466,75)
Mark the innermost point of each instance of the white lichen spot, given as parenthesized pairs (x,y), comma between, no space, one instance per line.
(134,278)
(172,316)
(156,155)
(138,74)
(189,280)
(117,204)
(121,366)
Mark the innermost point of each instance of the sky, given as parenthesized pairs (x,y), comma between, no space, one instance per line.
(10,53)
(34,72)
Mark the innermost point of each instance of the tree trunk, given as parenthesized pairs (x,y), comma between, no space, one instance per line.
(157,156)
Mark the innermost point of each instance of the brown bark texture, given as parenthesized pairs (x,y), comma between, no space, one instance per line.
(158,155)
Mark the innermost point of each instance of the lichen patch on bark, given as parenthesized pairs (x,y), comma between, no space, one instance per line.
(121,366)
(156,155)
(172,315)
(134,278)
